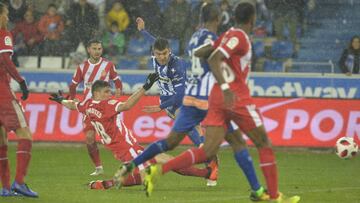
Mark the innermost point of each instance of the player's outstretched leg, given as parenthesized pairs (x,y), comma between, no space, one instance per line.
(283,199)
(93,152)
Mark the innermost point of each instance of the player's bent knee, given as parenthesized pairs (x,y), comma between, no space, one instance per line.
(90,137)
(174,139)
(23,133)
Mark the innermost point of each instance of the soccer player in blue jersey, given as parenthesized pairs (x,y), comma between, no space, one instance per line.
(194,107)
(172,77)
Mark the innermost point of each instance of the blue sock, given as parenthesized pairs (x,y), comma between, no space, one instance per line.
(151,151)
(195,137)
(245,162)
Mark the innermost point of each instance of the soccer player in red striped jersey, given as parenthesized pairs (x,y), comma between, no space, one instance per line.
(12,117)
(95,68)
(104,114)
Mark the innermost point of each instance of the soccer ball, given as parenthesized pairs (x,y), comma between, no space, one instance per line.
(346,147)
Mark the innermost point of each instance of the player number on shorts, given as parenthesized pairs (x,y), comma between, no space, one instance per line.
(105,138)
(228,73)
(196,68)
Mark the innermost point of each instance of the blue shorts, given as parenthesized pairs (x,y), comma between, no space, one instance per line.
(188,118)
(170,111)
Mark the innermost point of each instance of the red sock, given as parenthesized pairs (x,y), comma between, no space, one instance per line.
(23,156)
(185,160)
(132,179)
(268,167)
(4,167)
(192,171)
(94,154)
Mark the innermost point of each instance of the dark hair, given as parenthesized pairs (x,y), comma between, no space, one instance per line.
(244,12)
(209,12)
(52,5)
(351,41)
(93,41)
(161,44)
(98,85)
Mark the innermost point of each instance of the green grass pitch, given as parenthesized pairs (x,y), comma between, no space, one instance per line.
(59,174)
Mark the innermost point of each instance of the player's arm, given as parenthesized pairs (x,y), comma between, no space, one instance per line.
(76,79)
(116,79)
(204,51)
(141,27)
(215,61)
(10,68)
(135,97)
(59,98)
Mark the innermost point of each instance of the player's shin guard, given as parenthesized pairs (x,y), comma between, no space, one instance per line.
(192,171)
(4,168)
(94,154)
(245,162)
(268,166)
(23,156)
(132,179)
(195,137)
(185,160)
(151,151)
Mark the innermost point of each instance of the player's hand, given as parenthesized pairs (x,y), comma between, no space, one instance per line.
(57,97)
(229,98)
(152,109)
(117,93)
(140,23)
(150,80)
(24,90)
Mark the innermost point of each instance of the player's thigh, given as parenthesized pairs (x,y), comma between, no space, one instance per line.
(12,116)
(3,136)
(249,120)
(23,133)
(163,158)
(90,136)
(214,137)
(236,140)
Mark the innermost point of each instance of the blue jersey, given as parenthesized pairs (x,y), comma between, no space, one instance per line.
(201,81)
(171,83)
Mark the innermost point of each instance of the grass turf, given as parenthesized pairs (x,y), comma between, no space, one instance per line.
(59,173)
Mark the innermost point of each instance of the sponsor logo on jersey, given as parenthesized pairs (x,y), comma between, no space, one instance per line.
(8,41)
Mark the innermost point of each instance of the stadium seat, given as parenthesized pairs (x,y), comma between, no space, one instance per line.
(138,47)
(28,61)
(128,64)
(51,62)
(273,66)
(259,48)
(282,49)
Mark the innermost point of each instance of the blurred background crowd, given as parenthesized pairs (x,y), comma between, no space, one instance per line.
(290,35)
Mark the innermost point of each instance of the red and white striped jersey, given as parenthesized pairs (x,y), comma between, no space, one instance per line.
(89,73)
(236,47)
(108,124)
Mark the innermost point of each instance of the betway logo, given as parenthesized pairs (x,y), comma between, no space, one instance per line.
(296,89)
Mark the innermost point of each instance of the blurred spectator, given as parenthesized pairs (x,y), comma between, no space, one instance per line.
(31,7)
(113,41)
(287,12)
(17,9)
(195,20)
(177,22)
(119,15)
(51,26)
(27,35)
(226,16)
(349,62)
(82,24)
(149,10)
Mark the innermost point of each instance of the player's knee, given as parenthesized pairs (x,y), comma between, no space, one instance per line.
(23,133)
(90,137)
(174,139)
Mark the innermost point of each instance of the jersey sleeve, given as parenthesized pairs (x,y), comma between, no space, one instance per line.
(77,77)
(6,42)
(111,107)
(232,43)
(115,77)
(81,107)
